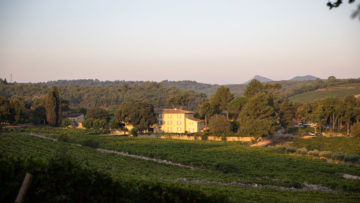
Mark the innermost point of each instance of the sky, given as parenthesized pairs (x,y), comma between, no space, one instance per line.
(210,41)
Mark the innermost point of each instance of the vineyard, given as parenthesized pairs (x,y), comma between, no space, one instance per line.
(218,168)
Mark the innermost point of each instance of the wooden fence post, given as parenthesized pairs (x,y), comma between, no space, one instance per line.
(23,189)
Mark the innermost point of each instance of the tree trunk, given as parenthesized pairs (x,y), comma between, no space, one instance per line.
(227,115)
(348,129)
(205,122)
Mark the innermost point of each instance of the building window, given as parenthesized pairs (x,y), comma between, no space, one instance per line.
(179,115)
(160,116)
(191,130)
(179,129)
(169,129)
(179,122)
(160,122)
(169,116)
(169,122)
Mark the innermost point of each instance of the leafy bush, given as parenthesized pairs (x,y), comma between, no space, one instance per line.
(291,150)
(64,138)
(325,154)
(302,151)
(352,158)
(134,132)
(65,122)
(90,143)
(88,123)
(226,167)
(355,130)
(314,152)
(338,156)
(219,125)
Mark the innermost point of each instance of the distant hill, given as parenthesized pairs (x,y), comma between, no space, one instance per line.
(260,78)
(305,77)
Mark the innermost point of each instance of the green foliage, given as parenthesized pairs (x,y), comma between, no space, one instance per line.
(302,151)
(219,126)
(352,158)
(325,154)
(339,91)
(236,105)
(96,94)
(355,130)
(180,100)
(253,88)
(65,122)
(221,98)
(347,145)
(115,124)
(97,113)
(90,143)
(257,118)
(53,107)
(88,123)
(6,110)
(286,114)
(224,162)
(62,179)
(94,123)
(134,132)
(338,156)
(138,113)
(314,152)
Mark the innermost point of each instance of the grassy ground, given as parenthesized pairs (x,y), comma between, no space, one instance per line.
(347,145)
(341,91)
(220,161)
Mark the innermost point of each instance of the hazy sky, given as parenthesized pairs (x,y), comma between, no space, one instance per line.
(212,41)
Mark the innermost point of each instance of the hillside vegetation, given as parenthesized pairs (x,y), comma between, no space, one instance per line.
(339,91)
(103,96)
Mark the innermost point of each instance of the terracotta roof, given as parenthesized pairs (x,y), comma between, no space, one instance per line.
(175,111)
(195,119)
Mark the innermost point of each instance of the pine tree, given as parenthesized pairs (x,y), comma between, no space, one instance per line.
(53,107)
(257,118)
(220,100)
(286,114)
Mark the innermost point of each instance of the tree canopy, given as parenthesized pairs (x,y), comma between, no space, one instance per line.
(138,113)
(53,107)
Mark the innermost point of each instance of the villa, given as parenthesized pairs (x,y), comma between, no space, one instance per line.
(178,121)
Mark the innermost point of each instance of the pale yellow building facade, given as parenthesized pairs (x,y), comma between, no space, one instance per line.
(178,121)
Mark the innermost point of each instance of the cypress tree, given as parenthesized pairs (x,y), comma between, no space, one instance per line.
(52,107)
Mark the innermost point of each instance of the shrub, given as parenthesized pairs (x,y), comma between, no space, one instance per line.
(352,158)
(65,122)
(134,132)
(280,148)
(225,167)
(90,143)
(302,151)
(314,152)
(219,125)
(291,150)
(64,138)
(88,123)
(338,156)
(325,154)
(355,130)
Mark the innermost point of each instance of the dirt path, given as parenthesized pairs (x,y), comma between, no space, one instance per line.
(307,187)
(162,161)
